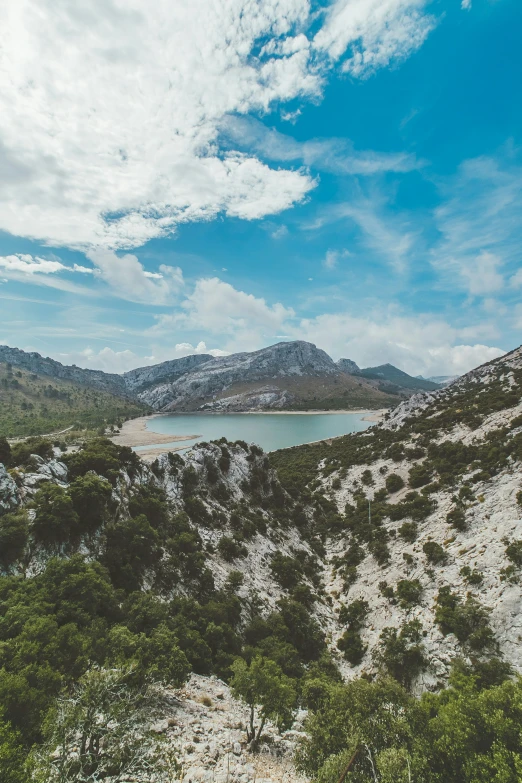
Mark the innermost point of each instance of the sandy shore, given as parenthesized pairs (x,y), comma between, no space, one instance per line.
(135,433)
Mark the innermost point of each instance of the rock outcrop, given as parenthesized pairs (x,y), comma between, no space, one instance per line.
(348,366)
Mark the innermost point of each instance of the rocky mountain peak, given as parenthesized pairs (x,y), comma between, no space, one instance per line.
(348,366)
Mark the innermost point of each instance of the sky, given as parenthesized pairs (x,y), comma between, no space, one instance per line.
(214,176)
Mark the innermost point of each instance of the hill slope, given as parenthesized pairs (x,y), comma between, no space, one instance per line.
(392,375)
(31,404)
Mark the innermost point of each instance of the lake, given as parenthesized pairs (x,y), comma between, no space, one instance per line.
(271,431)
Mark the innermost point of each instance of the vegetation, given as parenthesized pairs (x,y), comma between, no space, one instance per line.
(367,731)
(35,405)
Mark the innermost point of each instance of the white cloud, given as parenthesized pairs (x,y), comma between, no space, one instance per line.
(187,349)
(128,279)
(106,359)
(109,112)
(217,308)
(279,233)
(482,275)
(465,5)
(337,156)
(479,222)
(373,31)
(516,280)
(417,344)
(30,265)
(332,257)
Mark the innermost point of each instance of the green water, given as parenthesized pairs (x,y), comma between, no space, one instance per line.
(270,431)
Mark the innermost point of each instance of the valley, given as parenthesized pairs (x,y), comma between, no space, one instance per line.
(373,579)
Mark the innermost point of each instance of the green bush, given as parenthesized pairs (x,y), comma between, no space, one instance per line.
(457,518)
(472,576)
(419,476)
(354,614)
(514,553)
(352,647)
(367,478)
(408,592)
(435,554)
(394,483)
(409,531)
(56,521)
(469,621)
(400,654)
(5,452)
(14,532)
(230,550)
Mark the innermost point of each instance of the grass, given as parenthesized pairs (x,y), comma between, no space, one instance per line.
(33,404)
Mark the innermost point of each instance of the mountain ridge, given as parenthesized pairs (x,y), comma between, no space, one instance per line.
(286,375)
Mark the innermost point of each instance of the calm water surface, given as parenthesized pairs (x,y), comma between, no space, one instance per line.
(270,431)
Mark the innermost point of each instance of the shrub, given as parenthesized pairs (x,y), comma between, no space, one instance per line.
(400,653)
(456,518)
(286,570)
(419,476)
(435,554)
(519,497)
(5,451)
(56,522)
(472,577)
(394,483)
(409,531)
(468,621)
(408,592)
(354,614)
(230,550)
(386,591)
(352,647)
(367,478)
(514,552)
(13,537)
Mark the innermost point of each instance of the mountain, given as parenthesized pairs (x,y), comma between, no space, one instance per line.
(35,363)
(442,380)
(144,377)
(348,366)
(388,374)
(284,375)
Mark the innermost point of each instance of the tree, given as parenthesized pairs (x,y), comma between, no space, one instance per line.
(90,495)
(13,537)
(100,731)
(5,451)
(56,521)
(264,687)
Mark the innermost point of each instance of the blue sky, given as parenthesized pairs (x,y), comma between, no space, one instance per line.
(348,173)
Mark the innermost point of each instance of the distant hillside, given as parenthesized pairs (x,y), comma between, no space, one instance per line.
(34,363)
(285,376)
(32,404)
(392,375)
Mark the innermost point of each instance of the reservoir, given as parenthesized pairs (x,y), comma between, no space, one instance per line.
(271,431)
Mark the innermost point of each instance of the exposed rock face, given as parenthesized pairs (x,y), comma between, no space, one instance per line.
(143,377)
(212,378)
(8,491)
(348,366)
(33,362)
(202,723)
(264,398)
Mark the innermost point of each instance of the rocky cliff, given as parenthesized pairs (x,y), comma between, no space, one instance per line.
(144,377)
(348,366)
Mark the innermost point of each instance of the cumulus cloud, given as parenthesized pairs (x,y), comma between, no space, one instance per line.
(129,280)
(219,308)
(417,344)
(187,349)
(31,265)
(110,114)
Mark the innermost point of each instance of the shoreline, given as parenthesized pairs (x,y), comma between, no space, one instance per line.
(135,433)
